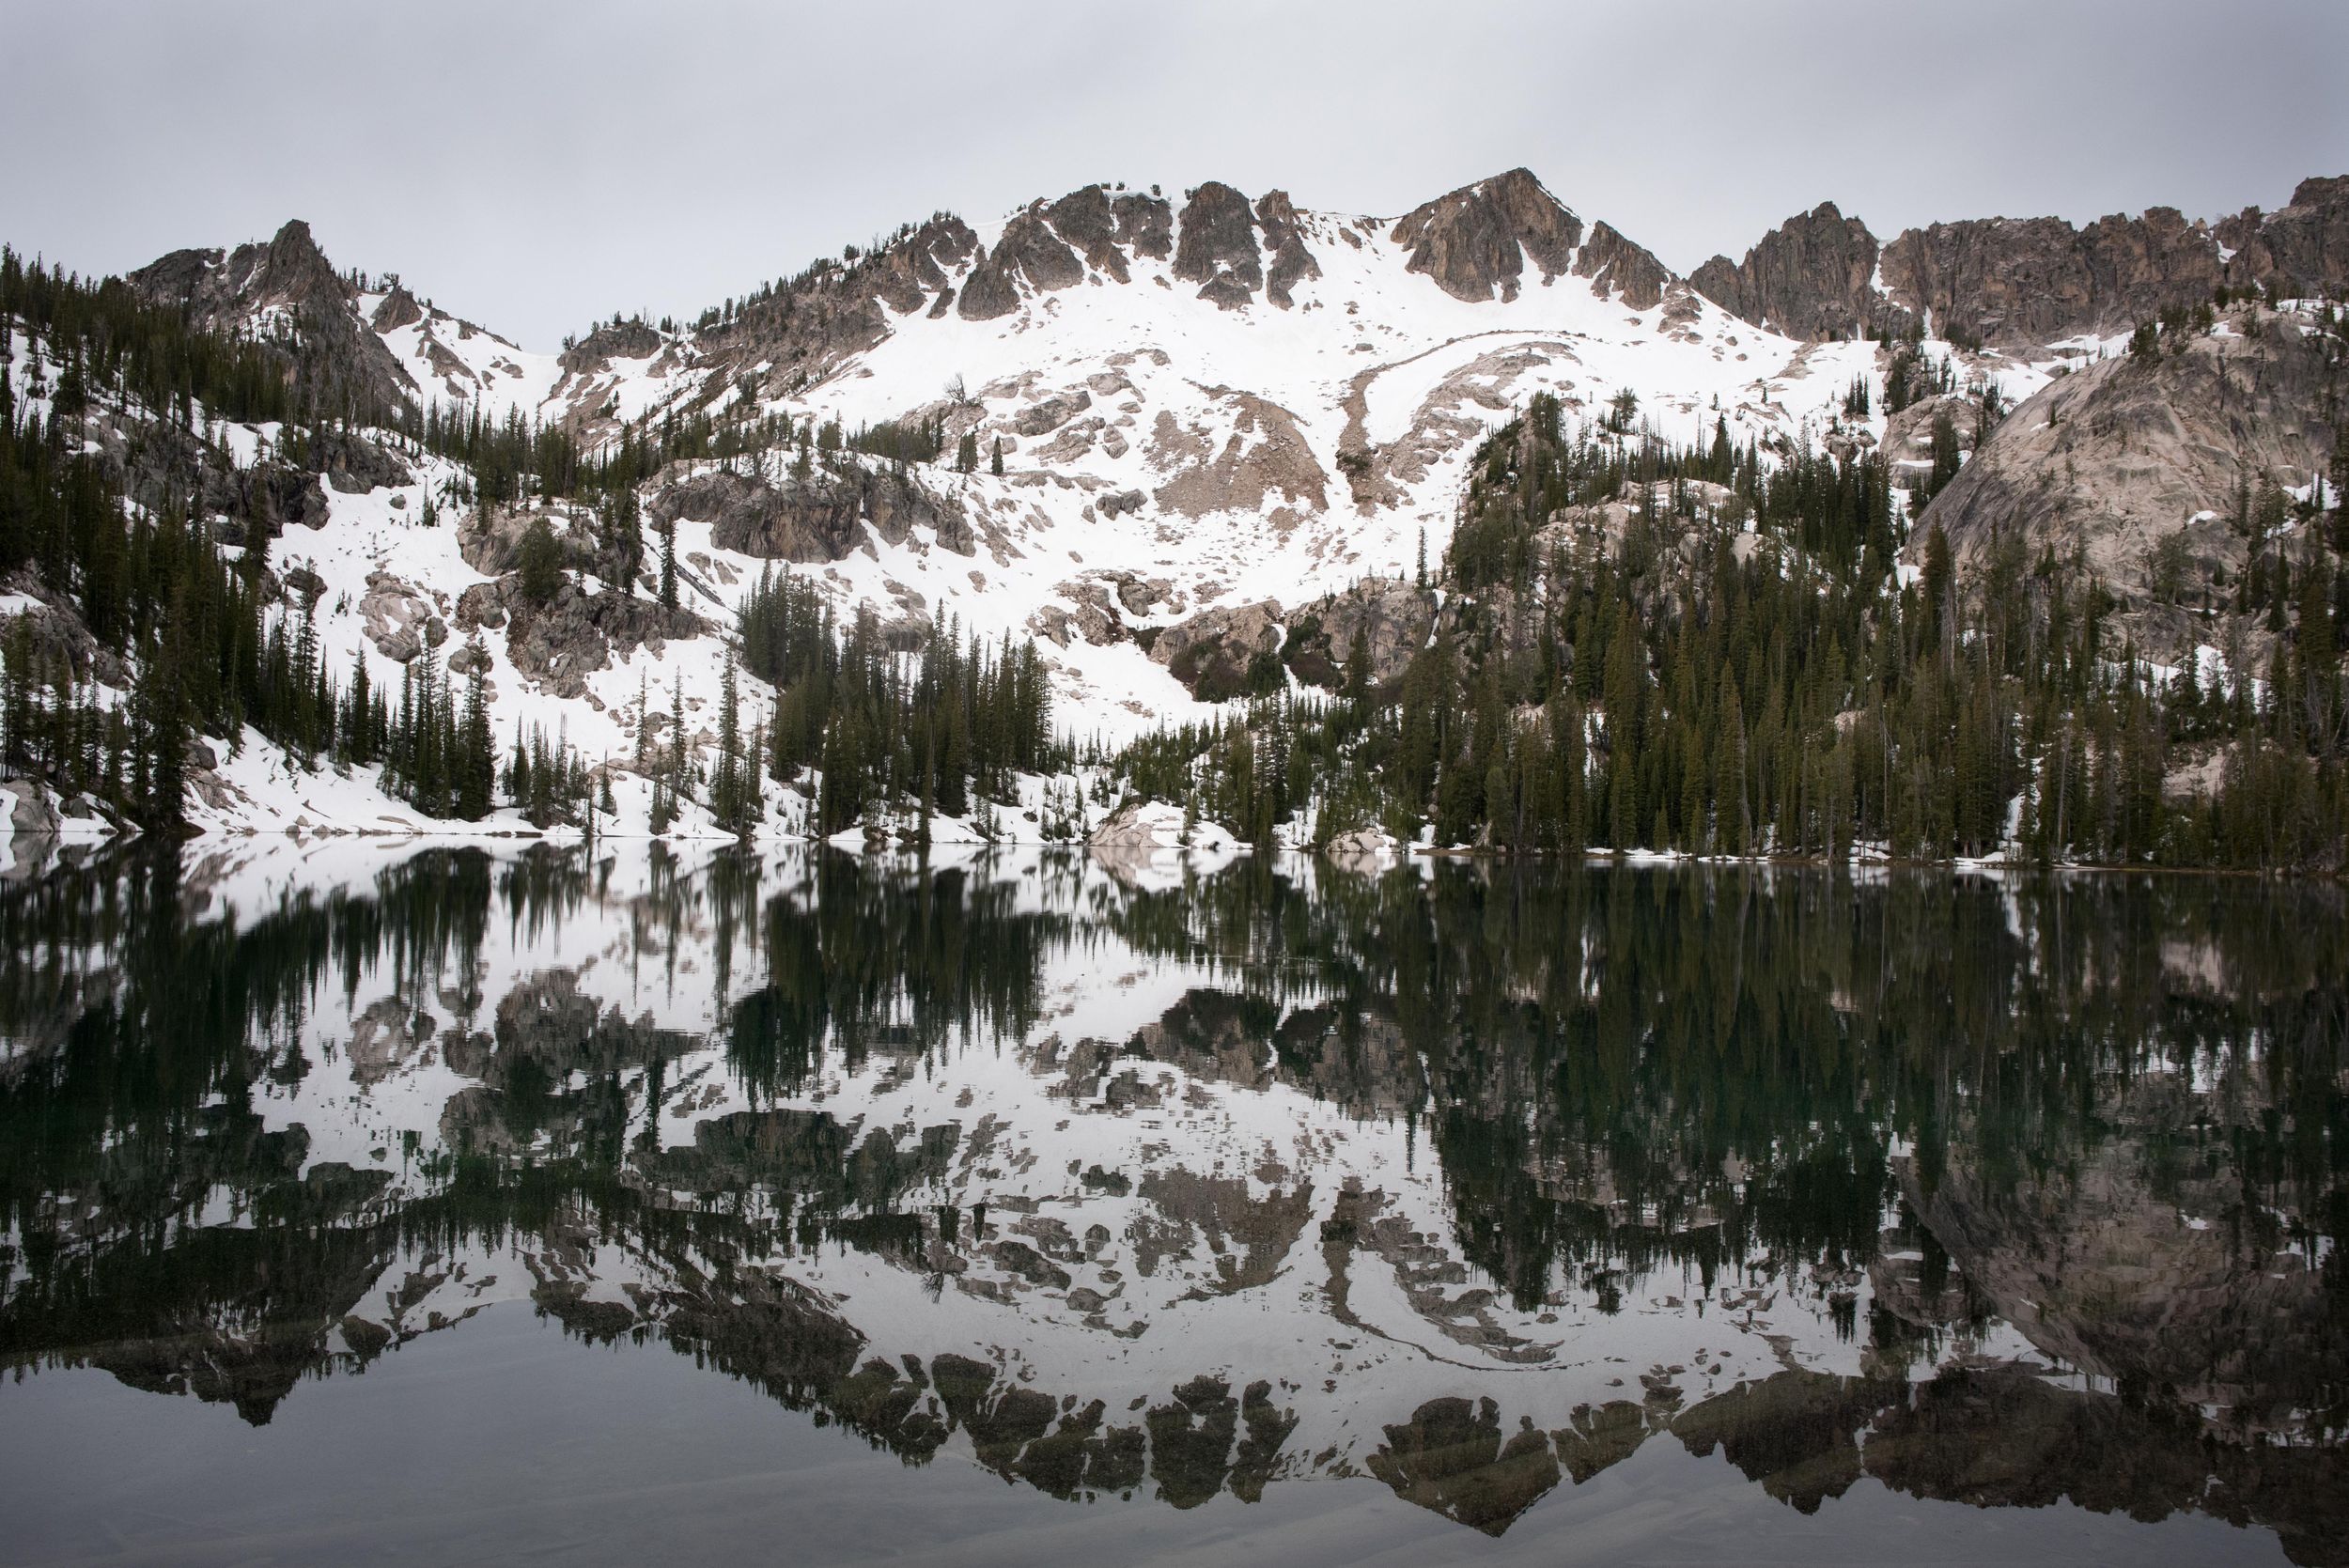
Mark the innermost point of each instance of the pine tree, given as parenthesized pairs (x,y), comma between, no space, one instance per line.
(477,767)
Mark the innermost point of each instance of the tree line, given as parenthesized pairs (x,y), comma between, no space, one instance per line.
(1745,667)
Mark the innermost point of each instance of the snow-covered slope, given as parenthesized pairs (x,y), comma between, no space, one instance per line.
(1201,408)
(1182,452)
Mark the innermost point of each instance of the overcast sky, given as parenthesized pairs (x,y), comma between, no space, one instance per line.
(536,167)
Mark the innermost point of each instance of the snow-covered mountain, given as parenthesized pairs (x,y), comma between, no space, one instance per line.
(1209,413)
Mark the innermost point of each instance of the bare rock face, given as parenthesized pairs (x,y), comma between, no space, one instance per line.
(1217,248)
(1098,604)
(1392,617)
(2007,281)
(1263,452)
(1216,653)
(560,644)
(2113,458)
(398,616)
(353,464)
(902,274)
(820,518)
(808,323)
(1087,220)
(1616,266)
(399,309)
(613,340)
(1809,278)
(986,293)
(1145,225)
(2302,250)
(1028,252)
(2036,280)
(288,277)
(1476,241)
(1291,261)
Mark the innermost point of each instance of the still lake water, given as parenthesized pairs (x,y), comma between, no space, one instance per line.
(374,1204)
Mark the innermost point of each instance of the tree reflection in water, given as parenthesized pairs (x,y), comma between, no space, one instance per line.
(2004,1191)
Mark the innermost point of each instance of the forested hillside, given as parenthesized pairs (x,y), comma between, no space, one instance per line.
(1474,528)
(1643,646)
(149,627)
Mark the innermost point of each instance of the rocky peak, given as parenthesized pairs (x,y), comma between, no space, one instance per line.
(1809,278)
(396,309)
(1215,246)
(2035,280)
(2302,250)
(630,339)
(1029,251)
(1088,220)
(229,288)
(1474,241)
(1145,225)
(1616,266)
(286,283)
(1286,240)
(913,269)
(1049,245)
(808,323)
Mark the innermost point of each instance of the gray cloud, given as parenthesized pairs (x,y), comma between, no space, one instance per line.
(537,165)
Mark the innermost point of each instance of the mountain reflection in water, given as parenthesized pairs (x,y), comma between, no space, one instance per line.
(1175,1183)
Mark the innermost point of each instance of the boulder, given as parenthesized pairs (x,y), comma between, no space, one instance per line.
(560,644)
(820,517)
(396,618)
(1049,414)
(1142,826)
(1394,618)
(483,605)
(1222,654)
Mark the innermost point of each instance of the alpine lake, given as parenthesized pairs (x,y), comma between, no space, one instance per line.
(370,1202)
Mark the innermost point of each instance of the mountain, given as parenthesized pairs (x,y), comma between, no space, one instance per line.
(1219,421)
(2030,282)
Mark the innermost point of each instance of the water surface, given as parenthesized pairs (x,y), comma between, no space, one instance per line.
(366,1203)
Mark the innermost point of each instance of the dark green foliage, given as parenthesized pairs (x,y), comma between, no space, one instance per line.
(539,560)
(885,727)
(1694,685)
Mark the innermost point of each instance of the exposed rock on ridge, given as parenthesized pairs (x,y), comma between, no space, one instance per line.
(1475,240)
(2113,457)
(1810,277)
(818,517)
(286,285)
